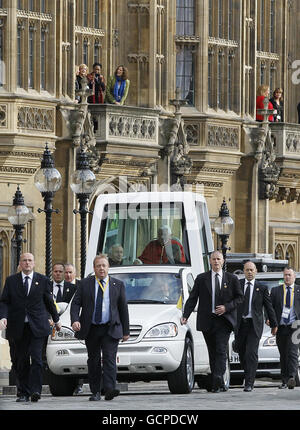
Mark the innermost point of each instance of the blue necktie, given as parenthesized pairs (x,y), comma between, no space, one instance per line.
(288,303)
(98,308)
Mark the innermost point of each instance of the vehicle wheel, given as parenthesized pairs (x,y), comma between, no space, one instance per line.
(182,380)
(61,385)
(206,381)
(226,376)
(297,378)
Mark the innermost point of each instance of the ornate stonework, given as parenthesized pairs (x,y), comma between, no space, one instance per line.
(36,118)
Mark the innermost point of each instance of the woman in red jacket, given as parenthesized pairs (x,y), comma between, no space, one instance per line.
(263,92)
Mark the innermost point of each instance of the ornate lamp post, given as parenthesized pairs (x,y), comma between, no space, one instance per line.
(82,183)
(18,215)
(223,226)
(48,180)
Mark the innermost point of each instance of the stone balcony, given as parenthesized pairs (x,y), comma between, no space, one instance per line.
(286,139)
(127,139)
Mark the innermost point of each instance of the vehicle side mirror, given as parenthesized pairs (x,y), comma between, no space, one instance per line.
(62,306)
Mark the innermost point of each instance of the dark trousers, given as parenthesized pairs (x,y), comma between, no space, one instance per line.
(288,352)
(216,339)
(29,363)
(96,342)
(247,343)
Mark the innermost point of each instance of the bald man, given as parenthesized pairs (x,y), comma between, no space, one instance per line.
(250,322)
(218,293)
(25,305)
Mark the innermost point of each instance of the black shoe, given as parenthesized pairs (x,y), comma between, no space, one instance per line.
(109,395)
(216,390)
(282,386)
(224,388)
(95,397)
(291,383)
(22,399)
(35,397)
(248,388)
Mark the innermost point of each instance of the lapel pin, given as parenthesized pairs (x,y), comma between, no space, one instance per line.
(36,283)
(257,289)
(68,290)
(225,286)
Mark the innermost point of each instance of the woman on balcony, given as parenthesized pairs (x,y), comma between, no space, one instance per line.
(263,92)
(97,84)
(117,86)
(277,102)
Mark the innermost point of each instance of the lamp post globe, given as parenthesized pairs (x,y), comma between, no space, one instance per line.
(224,226)
(48,180)
(18,215)
(82,184)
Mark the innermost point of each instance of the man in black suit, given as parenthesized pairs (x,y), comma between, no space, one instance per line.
(250,322)
(63,291)
(286,303)
(218,293)
(102,323)
(70,274)
(25,305)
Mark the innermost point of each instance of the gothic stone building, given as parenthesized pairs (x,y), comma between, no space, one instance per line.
(217,52)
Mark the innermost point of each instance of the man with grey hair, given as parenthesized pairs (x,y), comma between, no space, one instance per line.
(99,315)
(115,255)
(286,302)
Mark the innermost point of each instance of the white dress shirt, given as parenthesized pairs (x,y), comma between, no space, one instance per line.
(55,288)
(30,276)
(213,285)
(249,315)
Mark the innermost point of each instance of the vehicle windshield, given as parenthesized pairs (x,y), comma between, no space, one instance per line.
(151,287)
(144,233)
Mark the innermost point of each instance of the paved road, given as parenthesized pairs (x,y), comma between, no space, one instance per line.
(156,397)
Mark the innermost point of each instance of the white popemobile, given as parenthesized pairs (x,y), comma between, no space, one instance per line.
(158,276)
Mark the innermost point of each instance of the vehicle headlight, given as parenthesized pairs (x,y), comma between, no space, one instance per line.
(270,341)
(162,330)
(64,334)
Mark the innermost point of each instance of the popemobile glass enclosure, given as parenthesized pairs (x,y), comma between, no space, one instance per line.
(166,228)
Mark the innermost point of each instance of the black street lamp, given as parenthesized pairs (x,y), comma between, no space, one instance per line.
(223,226)
(18,215)
(82,183)
(48,180)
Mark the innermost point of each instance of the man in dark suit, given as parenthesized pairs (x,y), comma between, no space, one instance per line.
(250,322)
(218,293)
(102,323)
(286,303)
(70,274)
(25,305)
(63,291)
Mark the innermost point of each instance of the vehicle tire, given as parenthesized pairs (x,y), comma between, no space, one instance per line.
(182,380)
(226,376)
(297,377)
(61,385)
(206,381)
